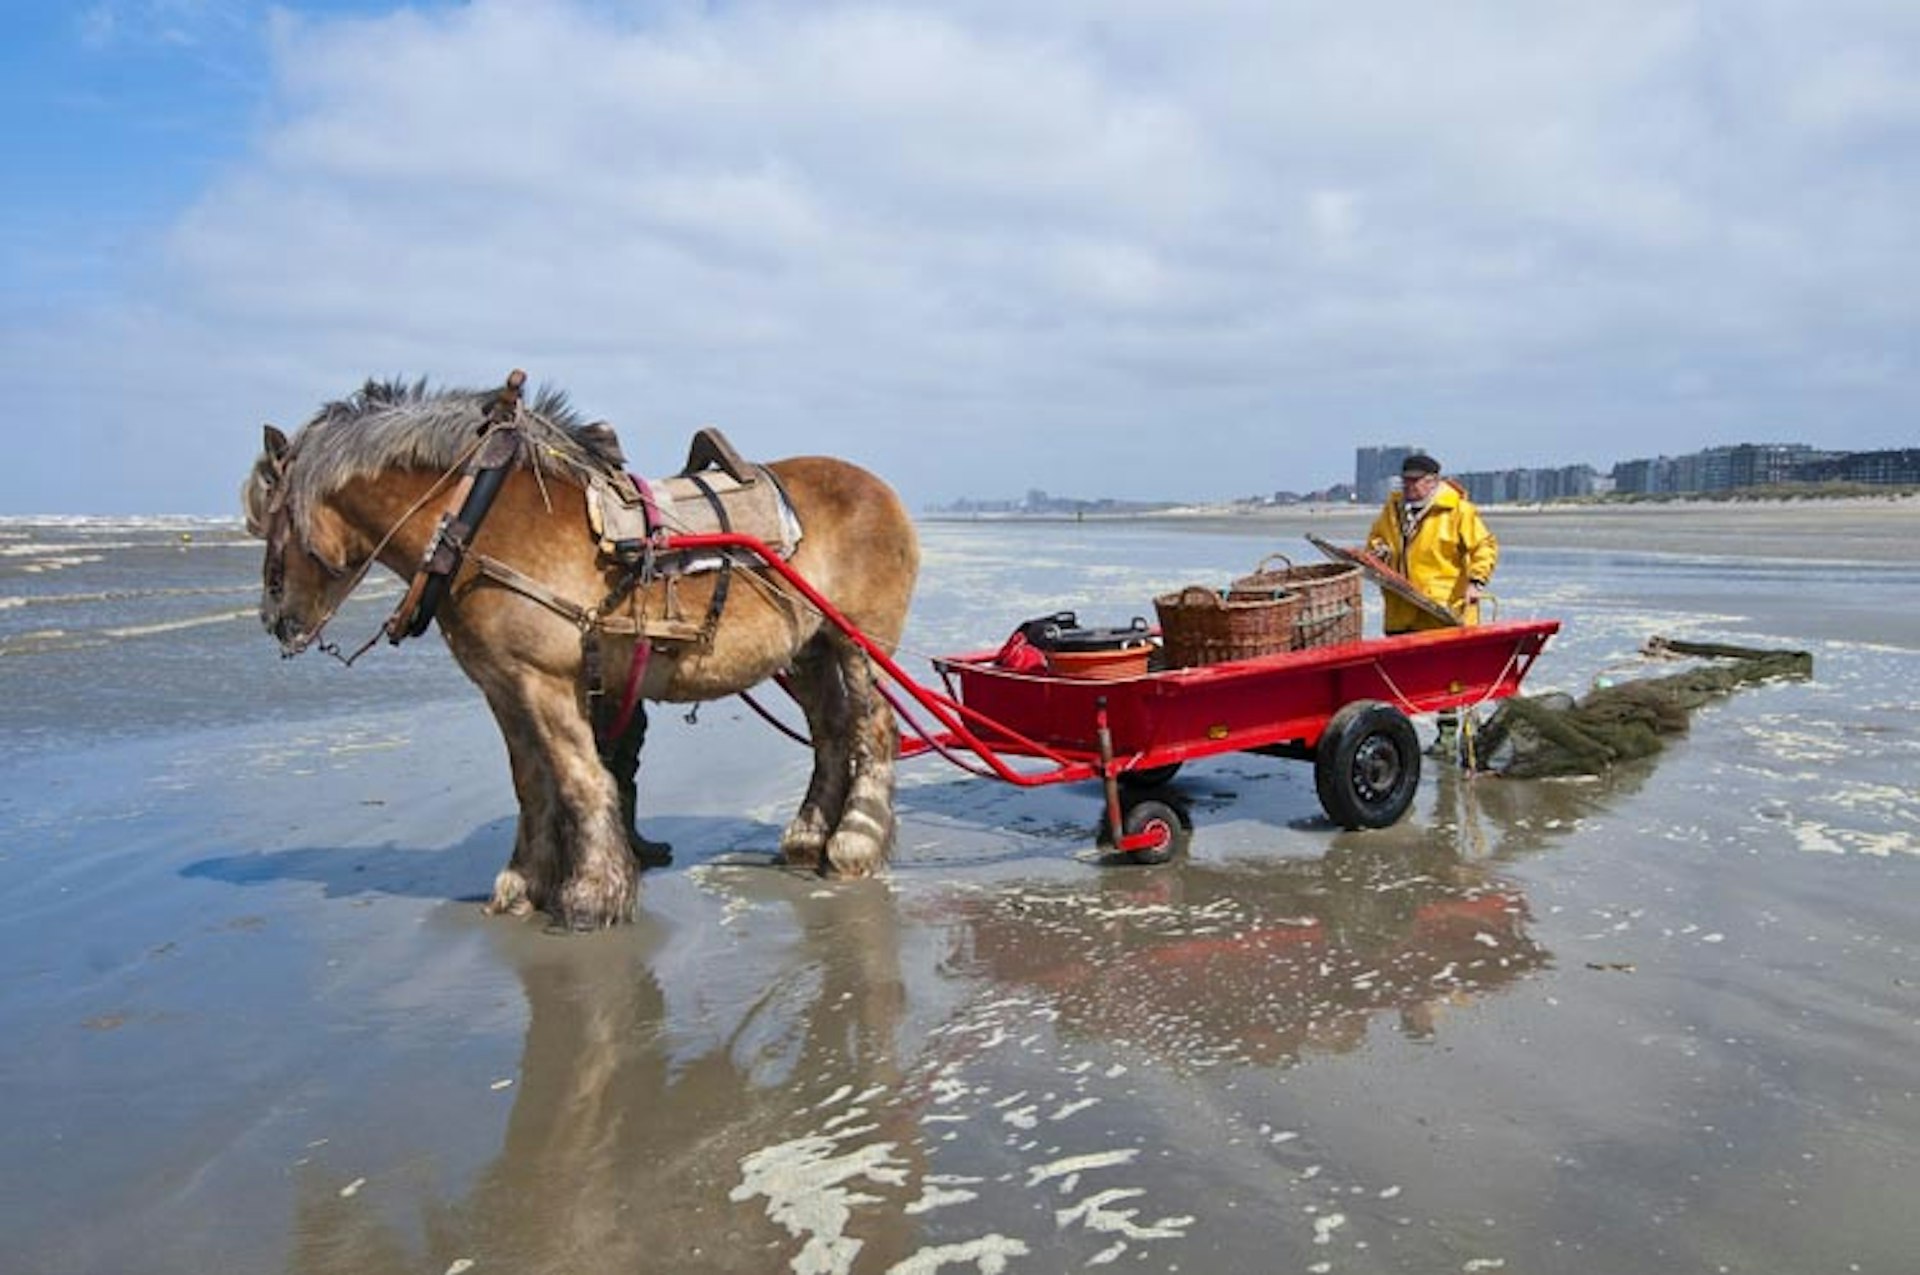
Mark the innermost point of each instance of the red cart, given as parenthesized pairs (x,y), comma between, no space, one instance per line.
(1345,708)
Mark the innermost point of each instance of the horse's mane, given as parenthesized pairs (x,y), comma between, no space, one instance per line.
(408,425)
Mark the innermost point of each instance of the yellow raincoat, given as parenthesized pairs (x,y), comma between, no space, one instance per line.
(1450,547)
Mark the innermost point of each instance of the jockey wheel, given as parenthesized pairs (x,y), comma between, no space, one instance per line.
(1164,825)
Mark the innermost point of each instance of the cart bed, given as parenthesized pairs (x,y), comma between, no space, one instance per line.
(1283,699)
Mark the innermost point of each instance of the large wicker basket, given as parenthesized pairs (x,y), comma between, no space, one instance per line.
(1200,626)
(1330,609)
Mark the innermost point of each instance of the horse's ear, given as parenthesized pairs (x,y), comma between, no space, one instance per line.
(256,494)
(253,501)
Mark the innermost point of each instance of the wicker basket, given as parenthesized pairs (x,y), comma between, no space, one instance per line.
(1330,609)
(1199,626)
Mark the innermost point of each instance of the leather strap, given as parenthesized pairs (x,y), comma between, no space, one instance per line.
(718,603)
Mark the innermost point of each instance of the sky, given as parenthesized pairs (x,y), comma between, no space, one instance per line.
(1128,248)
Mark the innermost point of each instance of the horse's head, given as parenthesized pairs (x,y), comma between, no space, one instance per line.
(304,577)
(316,499)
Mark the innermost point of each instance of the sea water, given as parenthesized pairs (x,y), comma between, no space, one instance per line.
(119,628)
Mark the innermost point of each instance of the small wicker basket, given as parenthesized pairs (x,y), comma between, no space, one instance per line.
(1330,608)
(1199,626)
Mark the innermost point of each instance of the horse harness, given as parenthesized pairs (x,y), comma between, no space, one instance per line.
(467,507)
(632,520)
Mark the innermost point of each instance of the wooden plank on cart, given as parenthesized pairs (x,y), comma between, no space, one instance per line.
(1384,576)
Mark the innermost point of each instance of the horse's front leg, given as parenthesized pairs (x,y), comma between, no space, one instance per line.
(599,877)
(527,882)
(862,837)
(818,686)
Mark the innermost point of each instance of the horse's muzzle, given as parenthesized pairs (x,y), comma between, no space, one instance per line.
(288,633)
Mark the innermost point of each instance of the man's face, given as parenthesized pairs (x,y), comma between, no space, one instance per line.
(1418,486)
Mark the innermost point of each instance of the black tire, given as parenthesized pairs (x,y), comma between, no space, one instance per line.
(1148,816)
(1148,777)
(1367,765)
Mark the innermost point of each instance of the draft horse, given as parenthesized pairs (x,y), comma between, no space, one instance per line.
(365,481)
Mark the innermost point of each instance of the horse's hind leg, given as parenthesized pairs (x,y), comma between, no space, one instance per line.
(622,761)
(818,686)
(863,836)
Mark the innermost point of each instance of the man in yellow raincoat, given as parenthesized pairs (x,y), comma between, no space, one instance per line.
(1431,533)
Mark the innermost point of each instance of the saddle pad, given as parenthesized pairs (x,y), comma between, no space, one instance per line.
(759,509)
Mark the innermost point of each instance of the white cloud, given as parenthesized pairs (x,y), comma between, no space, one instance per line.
(989,246)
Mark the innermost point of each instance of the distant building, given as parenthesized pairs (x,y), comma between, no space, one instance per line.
(1744,465)
(1764,464)
(1894,468)
(1376,470)
(1651,477)
(1528,486)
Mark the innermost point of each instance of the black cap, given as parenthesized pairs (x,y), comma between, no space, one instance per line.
(1419,463)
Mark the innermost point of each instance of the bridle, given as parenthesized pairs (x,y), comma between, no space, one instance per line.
(406,620)
(280,535)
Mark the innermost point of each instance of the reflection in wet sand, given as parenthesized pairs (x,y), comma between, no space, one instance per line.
(1485,817)
(1261,963)
(805,1134)
(621,1156)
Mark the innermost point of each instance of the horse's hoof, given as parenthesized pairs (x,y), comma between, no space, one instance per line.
(510,895)
(803,851)
(580,924)
(585,907)
(852,858)
(804,839)
(518,907)
(648,853)
(802,854)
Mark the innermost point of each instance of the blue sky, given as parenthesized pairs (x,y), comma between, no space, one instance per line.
(1099,247)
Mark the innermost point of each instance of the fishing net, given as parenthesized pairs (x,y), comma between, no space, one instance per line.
(1532,737)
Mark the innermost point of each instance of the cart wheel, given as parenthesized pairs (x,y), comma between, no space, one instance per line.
(1367,765)
(1155,818)
(1148,777)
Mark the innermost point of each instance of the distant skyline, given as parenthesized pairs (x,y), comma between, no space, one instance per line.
(1139,249)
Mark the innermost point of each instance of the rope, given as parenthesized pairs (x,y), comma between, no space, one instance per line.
(932,742)
(767,717)
(900,712)
(1464,741)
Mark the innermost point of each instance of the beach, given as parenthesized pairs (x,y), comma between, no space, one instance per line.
(1660,1020)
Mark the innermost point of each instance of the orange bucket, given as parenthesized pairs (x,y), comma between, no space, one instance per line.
(1100,666)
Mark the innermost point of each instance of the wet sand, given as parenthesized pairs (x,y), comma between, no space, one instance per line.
(1663,1021)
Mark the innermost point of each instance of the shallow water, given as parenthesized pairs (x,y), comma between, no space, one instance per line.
(256,1021)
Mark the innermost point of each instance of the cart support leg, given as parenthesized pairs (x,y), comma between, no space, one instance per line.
(1108,778)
